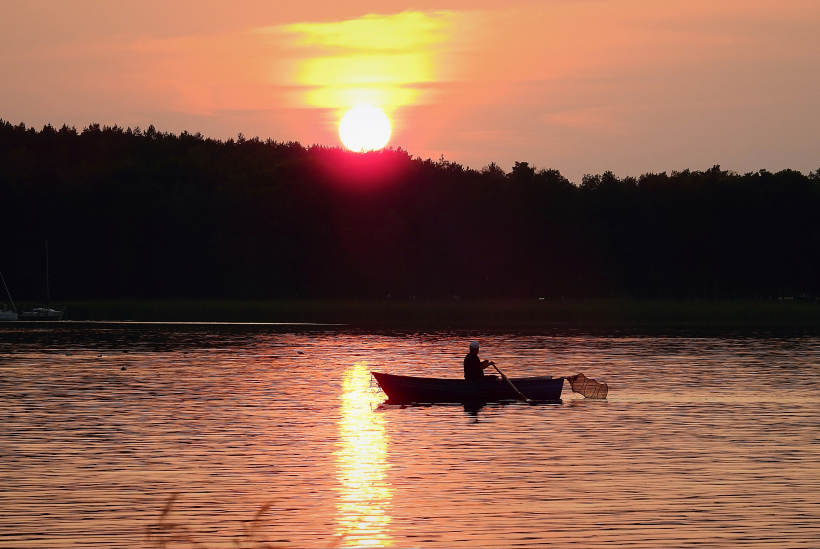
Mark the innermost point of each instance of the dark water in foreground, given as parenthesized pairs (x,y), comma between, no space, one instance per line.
(707,442)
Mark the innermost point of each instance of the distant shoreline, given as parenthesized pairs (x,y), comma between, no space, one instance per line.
(460,314)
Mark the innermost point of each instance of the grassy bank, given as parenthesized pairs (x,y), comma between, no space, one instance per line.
(462,313)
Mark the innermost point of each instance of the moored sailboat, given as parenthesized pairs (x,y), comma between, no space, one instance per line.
(6,313)
(43,313)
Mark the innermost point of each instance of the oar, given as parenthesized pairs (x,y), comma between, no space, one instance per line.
(510,383)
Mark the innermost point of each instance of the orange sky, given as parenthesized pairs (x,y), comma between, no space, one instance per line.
(581,86)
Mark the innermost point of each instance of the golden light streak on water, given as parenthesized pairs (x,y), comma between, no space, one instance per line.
(704,441)
(362,464)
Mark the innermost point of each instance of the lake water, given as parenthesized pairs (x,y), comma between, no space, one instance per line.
(703,441)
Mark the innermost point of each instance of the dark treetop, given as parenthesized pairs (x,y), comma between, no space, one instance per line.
(132,214)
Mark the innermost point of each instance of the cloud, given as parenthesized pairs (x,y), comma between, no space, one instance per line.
(376,59)
(627,85)
(402,32)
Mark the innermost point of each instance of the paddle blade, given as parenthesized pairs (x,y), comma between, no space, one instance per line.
(588,387)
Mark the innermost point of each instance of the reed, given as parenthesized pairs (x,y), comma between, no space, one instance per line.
(463,314)
(166,533)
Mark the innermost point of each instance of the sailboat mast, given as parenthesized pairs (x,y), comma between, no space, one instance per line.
(47,289)
(8,293)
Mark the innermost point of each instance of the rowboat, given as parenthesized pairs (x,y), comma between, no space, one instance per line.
(407,389)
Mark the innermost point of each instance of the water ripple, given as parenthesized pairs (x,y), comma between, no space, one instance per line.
(704,442)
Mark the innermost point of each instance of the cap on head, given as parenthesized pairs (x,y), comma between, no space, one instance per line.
(474,345)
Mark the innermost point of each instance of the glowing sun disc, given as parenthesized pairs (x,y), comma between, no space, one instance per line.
(364,128)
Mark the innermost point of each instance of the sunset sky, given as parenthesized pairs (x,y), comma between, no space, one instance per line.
(581,86)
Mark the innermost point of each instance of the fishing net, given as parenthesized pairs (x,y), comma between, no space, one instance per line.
(587,386)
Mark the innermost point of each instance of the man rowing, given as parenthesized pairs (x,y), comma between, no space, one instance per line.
(474,367)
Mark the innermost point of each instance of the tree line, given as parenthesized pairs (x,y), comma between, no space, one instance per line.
(146,214)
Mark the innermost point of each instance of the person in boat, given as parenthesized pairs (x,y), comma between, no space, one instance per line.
(474,367)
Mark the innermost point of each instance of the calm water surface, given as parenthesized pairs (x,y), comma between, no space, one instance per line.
(704,441)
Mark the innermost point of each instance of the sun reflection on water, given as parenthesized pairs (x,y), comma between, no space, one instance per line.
(362,464)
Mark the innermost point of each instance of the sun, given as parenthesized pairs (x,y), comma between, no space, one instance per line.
(364,128)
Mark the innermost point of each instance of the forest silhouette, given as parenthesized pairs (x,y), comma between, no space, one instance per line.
(144,214)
